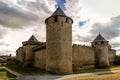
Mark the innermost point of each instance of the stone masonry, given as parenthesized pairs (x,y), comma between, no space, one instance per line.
(58,55)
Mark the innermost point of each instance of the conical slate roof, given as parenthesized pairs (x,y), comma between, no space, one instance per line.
(58,12)
(32,38)
(99,38)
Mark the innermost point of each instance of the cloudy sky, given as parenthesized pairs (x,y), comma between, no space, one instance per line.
(19,19)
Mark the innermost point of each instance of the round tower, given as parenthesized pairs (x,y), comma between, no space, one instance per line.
(28,46)
(59,43)
(101,46)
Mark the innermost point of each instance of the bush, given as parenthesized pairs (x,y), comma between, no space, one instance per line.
(12,61)
(117,60)
(2,60)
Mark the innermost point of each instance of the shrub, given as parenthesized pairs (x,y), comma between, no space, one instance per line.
(12,61)
(117,60)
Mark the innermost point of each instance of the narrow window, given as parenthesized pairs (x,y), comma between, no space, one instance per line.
(102,42)
(92,45)
(95,43)
(37,58)
(66,19)
(55,19)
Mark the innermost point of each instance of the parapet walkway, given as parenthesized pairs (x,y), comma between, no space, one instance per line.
(54,77)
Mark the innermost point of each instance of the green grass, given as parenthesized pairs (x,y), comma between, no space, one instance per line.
(37,71)
(27,70)
(3,74)
(114,67)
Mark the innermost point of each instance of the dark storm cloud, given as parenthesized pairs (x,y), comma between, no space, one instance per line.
(14,17)
(109,30)
(115,45)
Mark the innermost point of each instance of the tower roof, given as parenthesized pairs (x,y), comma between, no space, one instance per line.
(99,38)
(58,12)
(32,38)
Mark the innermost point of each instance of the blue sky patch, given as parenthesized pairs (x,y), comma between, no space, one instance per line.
(82,23)
(61,4)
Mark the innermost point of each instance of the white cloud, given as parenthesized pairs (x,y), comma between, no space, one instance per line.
(17,21)
(26,17)
(100,10)
(13,17)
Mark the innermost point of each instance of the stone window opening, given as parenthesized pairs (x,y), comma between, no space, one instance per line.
(95,43)
(66,19)
(55,19)
(102,42)
(37,58)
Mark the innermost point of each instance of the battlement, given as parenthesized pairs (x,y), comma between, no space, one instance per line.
(30,43)
(83,46)
(62,19)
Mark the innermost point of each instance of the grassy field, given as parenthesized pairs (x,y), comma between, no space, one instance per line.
(111,76)
(114,67)
(34,71)
(27,70)
(3,74)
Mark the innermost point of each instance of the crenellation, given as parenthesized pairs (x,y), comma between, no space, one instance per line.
(84,46)
(69,20)
(50,20)
(61,19)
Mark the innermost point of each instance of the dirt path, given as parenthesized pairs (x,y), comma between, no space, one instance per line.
(39,77)
(12,72)
(87,74)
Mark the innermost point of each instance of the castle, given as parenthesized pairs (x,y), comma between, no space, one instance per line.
(58,55)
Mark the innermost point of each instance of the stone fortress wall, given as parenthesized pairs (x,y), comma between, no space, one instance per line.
(112,55)
(83,57)
(20,55)
(58,55)
(40,59)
